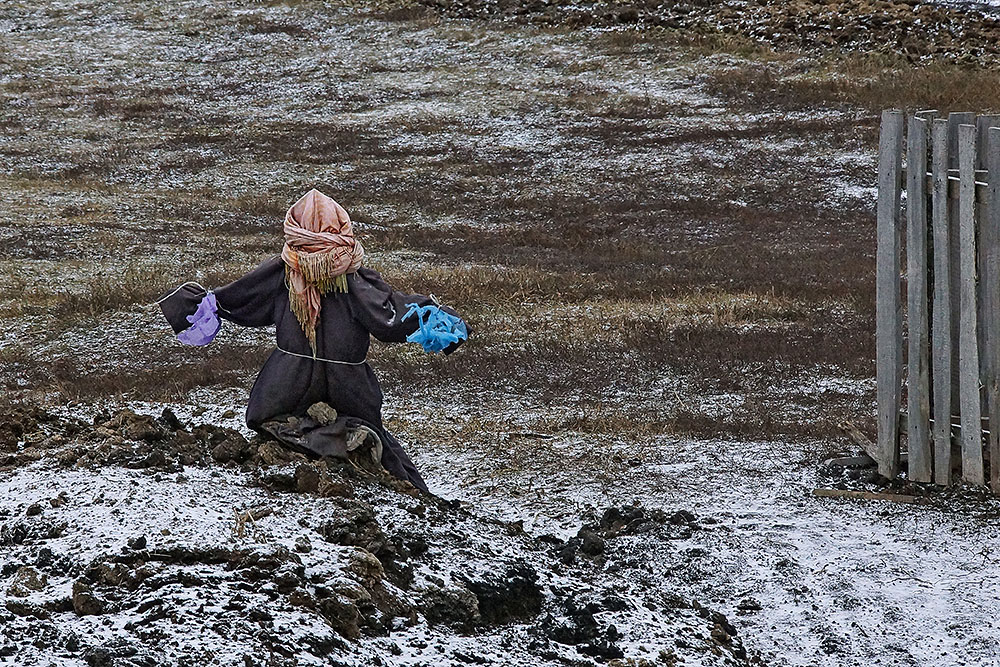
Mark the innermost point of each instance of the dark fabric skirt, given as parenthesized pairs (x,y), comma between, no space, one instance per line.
(331,437)
(396,461)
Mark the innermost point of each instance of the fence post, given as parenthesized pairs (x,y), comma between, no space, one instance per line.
(918,367)
(954,120)
(970,397)
(987,331)
(888,324)
(991,282)
(983,123)
(941,333)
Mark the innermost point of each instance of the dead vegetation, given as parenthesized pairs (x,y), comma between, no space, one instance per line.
(867,82)
(601,234)
(168,377)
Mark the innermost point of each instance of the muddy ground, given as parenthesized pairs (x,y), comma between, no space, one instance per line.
(663,243)
(137,540)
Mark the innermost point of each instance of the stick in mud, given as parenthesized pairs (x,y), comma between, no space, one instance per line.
(869,495)
(860,439)
(251,516)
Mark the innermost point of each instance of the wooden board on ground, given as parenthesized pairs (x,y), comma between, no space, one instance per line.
(860,439)
(869,495)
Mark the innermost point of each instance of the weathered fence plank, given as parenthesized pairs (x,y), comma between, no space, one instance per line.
(983,123)
(955,264)
(888,325)
(990,231)
(969,380)
(941,324)
(955,119)
(987,330)
(918,365)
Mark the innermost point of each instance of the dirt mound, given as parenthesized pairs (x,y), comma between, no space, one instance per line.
(323,565)
(164,444)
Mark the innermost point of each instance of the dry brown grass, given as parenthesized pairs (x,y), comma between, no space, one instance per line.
(756,249)
(757,420)
(168,376)
(105,293)
(871,83)
(137,285)
(628,354)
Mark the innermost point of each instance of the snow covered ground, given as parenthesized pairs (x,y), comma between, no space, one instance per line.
(455,139)
(143,564)
(811,581)
(804,580)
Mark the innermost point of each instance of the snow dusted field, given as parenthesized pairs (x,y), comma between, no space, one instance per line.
(668,276)
(804,581)
(139,564)
(813,581)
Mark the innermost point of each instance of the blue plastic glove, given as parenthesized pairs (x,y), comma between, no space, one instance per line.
(438,329)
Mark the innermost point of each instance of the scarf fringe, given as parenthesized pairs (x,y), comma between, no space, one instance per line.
(317,280)
(321,270)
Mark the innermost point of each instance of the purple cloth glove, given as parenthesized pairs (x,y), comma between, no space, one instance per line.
(204,323)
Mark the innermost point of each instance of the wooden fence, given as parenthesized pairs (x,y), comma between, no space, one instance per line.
(949,340)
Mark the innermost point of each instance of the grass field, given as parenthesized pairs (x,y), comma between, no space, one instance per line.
(664,245)
(631,225)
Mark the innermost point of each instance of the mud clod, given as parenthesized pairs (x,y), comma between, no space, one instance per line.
(26,581)
(452,605)
(355,526)
(26,609)
(342,615)
(510,596)
(85,603)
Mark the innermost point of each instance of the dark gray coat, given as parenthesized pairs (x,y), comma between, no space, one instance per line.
(287,384)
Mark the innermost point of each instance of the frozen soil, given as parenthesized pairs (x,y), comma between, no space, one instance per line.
(666,255)
(140,541)
(811,581)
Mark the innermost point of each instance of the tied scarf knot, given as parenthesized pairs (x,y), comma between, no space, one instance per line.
(319,251)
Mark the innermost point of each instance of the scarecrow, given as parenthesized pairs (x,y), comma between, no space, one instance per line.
(325,305)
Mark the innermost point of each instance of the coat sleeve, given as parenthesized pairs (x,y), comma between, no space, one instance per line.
(247,301)
(178,304)
(379,308)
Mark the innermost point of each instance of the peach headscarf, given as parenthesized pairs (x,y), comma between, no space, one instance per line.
(320,250)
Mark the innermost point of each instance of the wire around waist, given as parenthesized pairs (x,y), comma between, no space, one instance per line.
(329,361)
